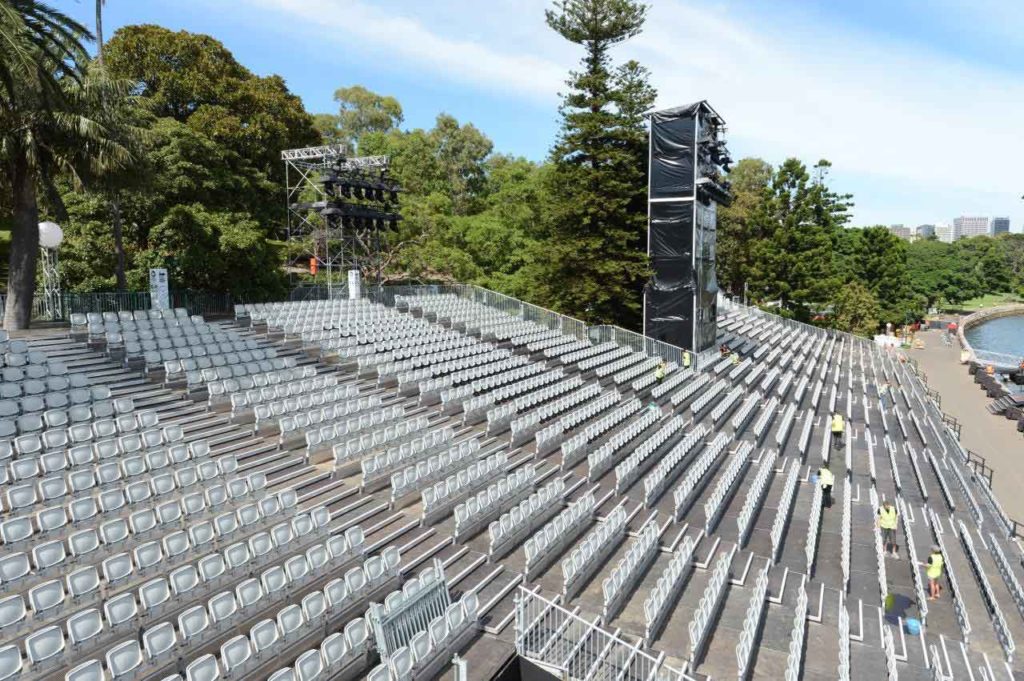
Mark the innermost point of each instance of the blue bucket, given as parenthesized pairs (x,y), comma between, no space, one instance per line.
(913,626)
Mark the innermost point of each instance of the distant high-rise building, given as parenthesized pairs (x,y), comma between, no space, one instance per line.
(1000,226)
(944,233)
(925,231)
(965,227)
(901,231)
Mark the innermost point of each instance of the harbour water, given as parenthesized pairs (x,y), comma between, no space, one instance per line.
(1005,335)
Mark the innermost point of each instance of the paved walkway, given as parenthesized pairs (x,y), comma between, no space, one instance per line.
(993,437)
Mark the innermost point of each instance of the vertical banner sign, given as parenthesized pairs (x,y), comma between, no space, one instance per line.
(354,284)
(159,290)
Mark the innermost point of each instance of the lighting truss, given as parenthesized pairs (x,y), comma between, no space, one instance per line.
(319,226)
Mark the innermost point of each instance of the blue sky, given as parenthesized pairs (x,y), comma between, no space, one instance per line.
(919,105)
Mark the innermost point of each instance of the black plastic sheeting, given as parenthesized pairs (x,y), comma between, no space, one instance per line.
(673,149)
(671,229)
(677,294)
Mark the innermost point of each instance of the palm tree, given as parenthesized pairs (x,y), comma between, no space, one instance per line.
(115,201)
(51,120)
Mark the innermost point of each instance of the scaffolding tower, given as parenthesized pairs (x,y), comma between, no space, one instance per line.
(318,241)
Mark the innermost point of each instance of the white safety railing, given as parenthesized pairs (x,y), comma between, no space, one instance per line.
(710,602)
(755,494)
(751,623)
(552,636)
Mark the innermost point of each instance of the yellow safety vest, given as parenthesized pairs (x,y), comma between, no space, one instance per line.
(825,477)
(686,360)
(887,518)
(837,423)
(659,373)
(934,570)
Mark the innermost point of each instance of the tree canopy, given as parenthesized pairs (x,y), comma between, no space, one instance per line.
(168,154)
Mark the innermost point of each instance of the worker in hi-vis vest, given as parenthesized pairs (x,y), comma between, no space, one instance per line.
(826,480)
(837,429)
(888,521)
(659,372)
(933,568)
(686,359)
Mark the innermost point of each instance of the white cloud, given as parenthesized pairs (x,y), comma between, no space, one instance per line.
(459,58)
(878,108)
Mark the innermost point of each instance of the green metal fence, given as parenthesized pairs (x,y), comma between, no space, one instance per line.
(206,303)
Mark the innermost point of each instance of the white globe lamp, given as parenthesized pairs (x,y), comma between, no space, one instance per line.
(50,234)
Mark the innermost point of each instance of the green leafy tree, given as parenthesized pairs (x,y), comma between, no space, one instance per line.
(880,263)
(360,111)
(51,120)
(594,263)
(194,79)
(737,230)
(793,263)
(856,310)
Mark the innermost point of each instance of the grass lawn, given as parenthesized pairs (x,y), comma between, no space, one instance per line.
(981,302)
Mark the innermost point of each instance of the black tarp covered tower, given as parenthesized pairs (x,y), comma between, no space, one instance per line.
(687,153)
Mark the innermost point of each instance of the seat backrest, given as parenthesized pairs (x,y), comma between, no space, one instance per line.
(84,625)
(12,610)
(82,581)
(124,658)
(204,668)
(263,635)
(309,665)
(44,644)
(235,652)
(192,622)
(159,639)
